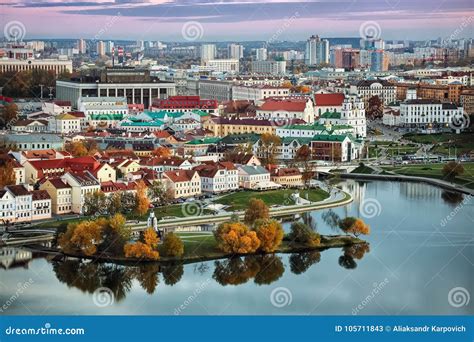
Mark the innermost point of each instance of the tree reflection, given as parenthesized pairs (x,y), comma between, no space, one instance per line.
(301,262)
(264,269)
(172,273)
(331,219)
(235,271)
(451,197)
(147,276)
(89,276)
(271,269)
(356,251)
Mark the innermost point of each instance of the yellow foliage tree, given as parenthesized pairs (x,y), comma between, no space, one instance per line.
(150,238)
(270,233)
(7,174)
(235,237)
(83,237)
(140,250)
(142,202)
(146,249)
(172,245)
(359,227)
(77,149)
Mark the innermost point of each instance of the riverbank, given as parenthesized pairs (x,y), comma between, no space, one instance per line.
(199,251)
(402,178)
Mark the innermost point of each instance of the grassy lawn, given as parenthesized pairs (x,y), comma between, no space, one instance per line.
(462,142)
(363,169)
(199,245)
(239,200)
(435,171)
(181,210)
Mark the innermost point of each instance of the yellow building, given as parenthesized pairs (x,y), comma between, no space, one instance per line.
(61,195)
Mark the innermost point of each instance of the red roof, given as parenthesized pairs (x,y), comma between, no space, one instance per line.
(184,102)
(177,176)
(290,105)
(335,99)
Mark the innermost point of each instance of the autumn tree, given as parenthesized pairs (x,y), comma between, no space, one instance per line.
(257,209)
(9,114)
(375,107)
(140,250)
(142,202)
(82,237)
(7,173)
(301,233)
(267,148)
(304,156)
(172,245)
(452,169)
(76,148)
(235,237)
(162,152)
(355,226)
(270,233)
(145,249)
(115,235)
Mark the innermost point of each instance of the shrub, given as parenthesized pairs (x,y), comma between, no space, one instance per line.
(172,245)
(301,233)
(235,237)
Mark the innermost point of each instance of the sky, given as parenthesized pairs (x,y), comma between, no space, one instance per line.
(239,20)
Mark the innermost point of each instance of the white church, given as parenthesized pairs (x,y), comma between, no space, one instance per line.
(352,114)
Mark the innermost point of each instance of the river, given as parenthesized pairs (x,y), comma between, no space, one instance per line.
(419,261)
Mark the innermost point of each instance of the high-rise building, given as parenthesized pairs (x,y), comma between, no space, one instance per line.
(261,54)
(236,51)
(109,45)
(208,52)
(101,48)
(82,46)
(317,51)
(379,61)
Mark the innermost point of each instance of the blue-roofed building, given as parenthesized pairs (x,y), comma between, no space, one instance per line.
(33,141)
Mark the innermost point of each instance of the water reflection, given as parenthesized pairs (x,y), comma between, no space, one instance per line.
(301,262)
(452,198)
(264,269)
(353,252)
(89,276)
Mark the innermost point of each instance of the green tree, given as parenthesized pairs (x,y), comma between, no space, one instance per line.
(301,233)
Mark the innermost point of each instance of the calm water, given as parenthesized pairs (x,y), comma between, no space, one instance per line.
(416,257)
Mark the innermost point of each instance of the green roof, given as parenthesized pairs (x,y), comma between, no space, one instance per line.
(301,141)
(147,124)
(203,141)
(329,137)
(333,115)
(200,112)
(117,117)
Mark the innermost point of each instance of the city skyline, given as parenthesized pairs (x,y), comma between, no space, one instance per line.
(207,21)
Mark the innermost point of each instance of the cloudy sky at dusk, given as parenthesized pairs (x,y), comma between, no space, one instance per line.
(239,19)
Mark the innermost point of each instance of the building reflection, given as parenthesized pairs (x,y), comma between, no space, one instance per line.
(415,190)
